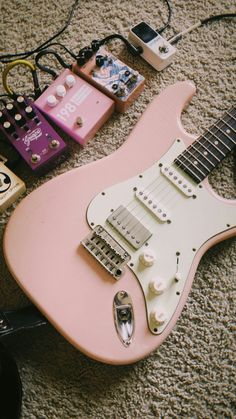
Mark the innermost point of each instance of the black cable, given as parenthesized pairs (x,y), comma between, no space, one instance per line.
(217,17)
(47,69)
(6,58)
(168,19)
(131,48)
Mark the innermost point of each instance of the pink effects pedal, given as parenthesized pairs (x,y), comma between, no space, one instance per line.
(33,137)
(76,106)
(112,77)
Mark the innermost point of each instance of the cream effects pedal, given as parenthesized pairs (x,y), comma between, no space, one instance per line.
(11,187)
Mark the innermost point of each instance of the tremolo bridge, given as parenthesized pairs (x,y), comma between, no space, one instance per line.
(107,251)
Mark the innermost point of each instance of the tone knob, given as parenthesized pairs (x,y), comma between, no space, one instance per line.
(158,317)
(61,90)
(51,101)
(147,257)
(157,286)
(70,80)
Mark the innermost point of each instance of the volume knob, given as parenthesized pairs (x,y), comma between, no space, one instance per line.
(157,286)
(147,257)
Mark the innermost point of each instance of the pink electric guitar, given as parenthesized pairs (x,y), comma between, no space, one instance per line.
(108,251)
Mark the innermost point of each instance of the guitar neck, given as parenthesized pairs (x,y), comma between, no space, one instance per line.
(201,157)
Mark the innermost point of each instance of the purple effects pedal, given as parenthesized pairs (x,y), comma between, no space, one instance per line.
(75,106)
(33,137)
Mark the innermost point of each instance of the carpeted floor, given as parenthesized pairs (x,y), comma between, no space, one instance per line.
(192,374)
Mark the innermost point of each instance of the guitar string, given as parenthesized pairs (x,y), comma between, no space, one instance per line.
(187,151)
(165,187)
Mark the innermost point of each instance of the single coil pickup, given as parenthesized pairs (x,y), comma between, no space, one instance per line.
(152,204)
(178,180)
(129,227)
(107,251)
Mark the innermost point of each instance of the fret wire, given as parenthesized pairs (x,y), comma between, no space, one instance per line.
(209,151)
(194,156)
(195,167)
(218,139)
(190,163)
(230,115)
(198,160)
(230,127)
(213,145)
(192,145)
(189,170)
(223,132)
(191,151)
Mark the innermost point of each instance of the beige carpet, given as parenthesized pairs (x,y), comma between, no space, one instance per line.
(192,374)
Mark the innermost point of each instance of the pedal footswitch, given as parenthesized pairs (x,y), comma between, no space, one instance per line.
(75,106)
(113,77)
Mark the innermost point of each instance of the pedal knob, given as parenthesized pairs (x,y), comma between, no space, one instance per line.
(11,109)
(9,128)
(61,90)
(147,257)
(157,286)
(30,112)
(21,101)
(158,317)
(20,120)
(70,80)
(51,101)
(100,60)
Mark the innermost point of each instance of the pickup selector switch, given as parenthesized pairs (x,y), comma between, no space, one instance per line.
(157,286)
(147,257)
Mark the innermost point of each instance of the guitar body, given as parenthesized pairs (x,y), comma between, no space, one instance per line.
(43,250)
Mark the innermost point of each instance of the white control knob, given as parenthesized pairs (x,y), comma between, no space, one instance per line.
(70,80)
(61,90)
(158,317)
(157,286)
(147,257)
(51,101)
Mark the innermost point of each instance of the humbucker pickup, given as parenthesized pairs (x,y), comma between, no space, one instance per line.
(130,228)
(106,251)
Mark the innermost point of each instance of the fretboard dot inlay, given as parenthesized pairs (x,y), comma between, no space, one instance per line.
(205,153)
(195,162)
(216,142)
(228,131)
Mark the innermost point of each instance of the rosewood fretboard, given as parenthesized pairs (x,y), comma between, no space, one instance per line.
(204,154)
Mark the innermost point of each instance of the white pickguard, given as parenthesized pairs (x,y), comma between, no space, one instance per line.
(193,222)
